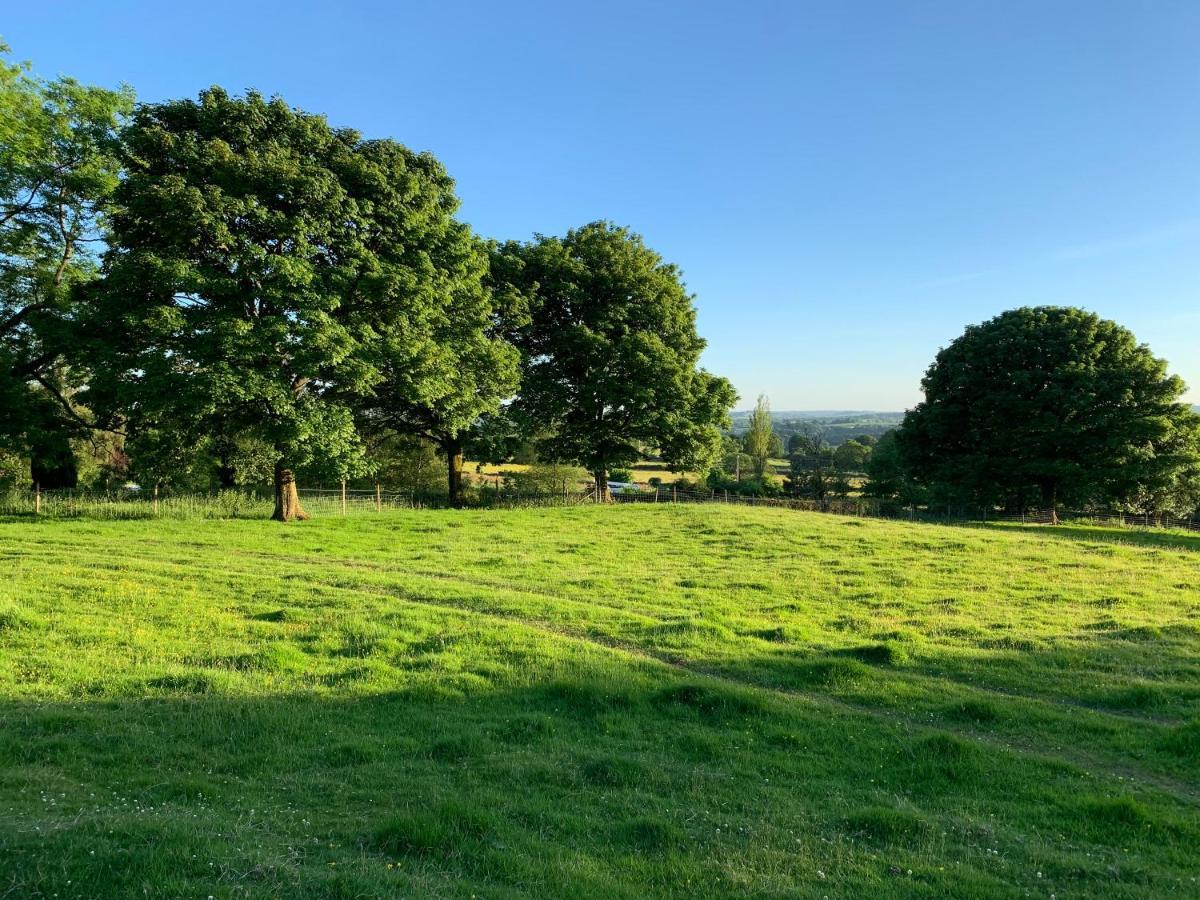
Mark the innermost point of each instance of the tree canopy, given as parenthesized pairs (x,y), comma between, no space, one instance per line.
(610,353)
(262,268)
(464,369)
(59,161)
(1052,403)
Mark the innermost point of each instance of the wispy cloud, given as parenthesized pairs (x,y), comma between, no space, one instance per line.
(1178,231)
(1165,235)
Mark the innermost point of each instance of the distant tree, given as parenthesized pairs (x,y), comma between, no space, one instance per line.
(733,459)
(1048,400)
(257,257)
(547,478)
(851,456)
(808,437)
(821,485)
(776,447)
(610,354)
(887,477)
(405,463)
(821,457)
(759,432)
(58,168)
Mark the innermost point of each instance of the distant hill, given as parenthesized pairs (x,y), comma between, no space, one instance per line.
(834,425)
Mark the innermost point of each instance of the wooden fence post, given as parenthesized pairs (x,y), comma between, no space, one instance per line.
(378,499)
(343,496)
(37,498)
(156,499)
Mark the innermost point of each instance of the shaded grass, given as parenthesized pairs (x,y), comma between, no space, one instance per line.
(595,702)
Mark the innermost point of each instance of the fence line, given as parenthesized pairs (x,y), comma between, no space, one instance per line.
(234,504)
(882,509)
(231,504)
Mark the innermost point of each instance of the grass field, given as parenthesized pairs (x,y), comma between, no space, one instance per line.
(627,702)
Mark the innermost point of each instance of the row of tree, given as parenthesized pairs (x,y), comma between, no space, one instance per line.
(231,286)
(750,460)
(229,282)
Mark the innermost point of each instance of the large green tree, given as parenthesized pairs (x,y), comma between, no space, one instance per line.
(258,258)
(610,353)
(1047,403)
(463,369)
(58,168)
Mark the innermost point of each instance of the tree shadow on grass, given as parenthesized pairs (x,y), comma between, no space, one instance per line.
(1094,691)
(585,785)
(1143,537)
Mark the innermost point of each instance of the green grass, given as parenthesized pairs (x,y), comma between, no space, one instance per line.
(625,702)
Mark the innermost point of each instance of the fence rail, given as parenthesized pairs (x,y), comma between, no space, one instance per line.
(232,504)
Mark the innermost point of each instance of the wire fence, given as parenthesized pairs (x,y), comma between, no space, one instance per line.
(258,504)
(345,501)
(874,507)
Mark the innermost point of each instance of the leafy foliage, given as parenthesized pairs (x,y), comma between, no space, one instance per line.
(1052,403)
(267,272)
(610,352)
(58,168)
(759,433)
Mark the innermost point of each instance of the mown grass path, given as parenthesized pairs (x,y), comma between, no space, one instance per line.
(615,702)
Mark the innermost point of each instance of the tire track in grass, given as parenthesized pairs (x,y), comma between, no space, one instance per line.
(642,615)
(1178,790)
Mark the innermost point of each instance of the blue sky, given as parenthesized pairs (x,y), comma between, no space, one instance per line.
(845,185)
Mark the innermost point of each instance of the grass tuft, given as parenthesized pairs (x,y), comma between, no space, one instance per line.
(886,654)
(710,702)
(650,835)
(612,771)
(1184,741)
(13,618)
(978,712)
(448,827)
(887,824)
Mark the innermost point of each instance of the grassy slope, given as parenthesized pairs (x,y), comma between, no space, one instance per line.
(629,701)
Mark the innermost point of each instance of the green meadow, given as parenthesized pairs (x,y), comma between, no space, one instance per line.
(602,702)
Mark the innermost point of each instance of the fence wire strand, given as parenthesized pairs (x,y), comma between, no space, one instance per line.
(235,504)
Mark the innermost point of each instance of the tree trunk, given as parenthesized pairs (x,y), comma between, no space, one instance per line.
(287,498)
(1050,500)
(601,480)
(52,462)
(453,448)
(226,473)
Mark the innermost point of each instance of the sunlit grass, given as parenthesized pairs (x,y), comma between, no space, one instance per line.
(591,701)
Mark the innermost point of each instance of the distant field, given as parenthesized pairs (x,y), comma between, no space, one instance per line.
(642,472)
(617,702)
